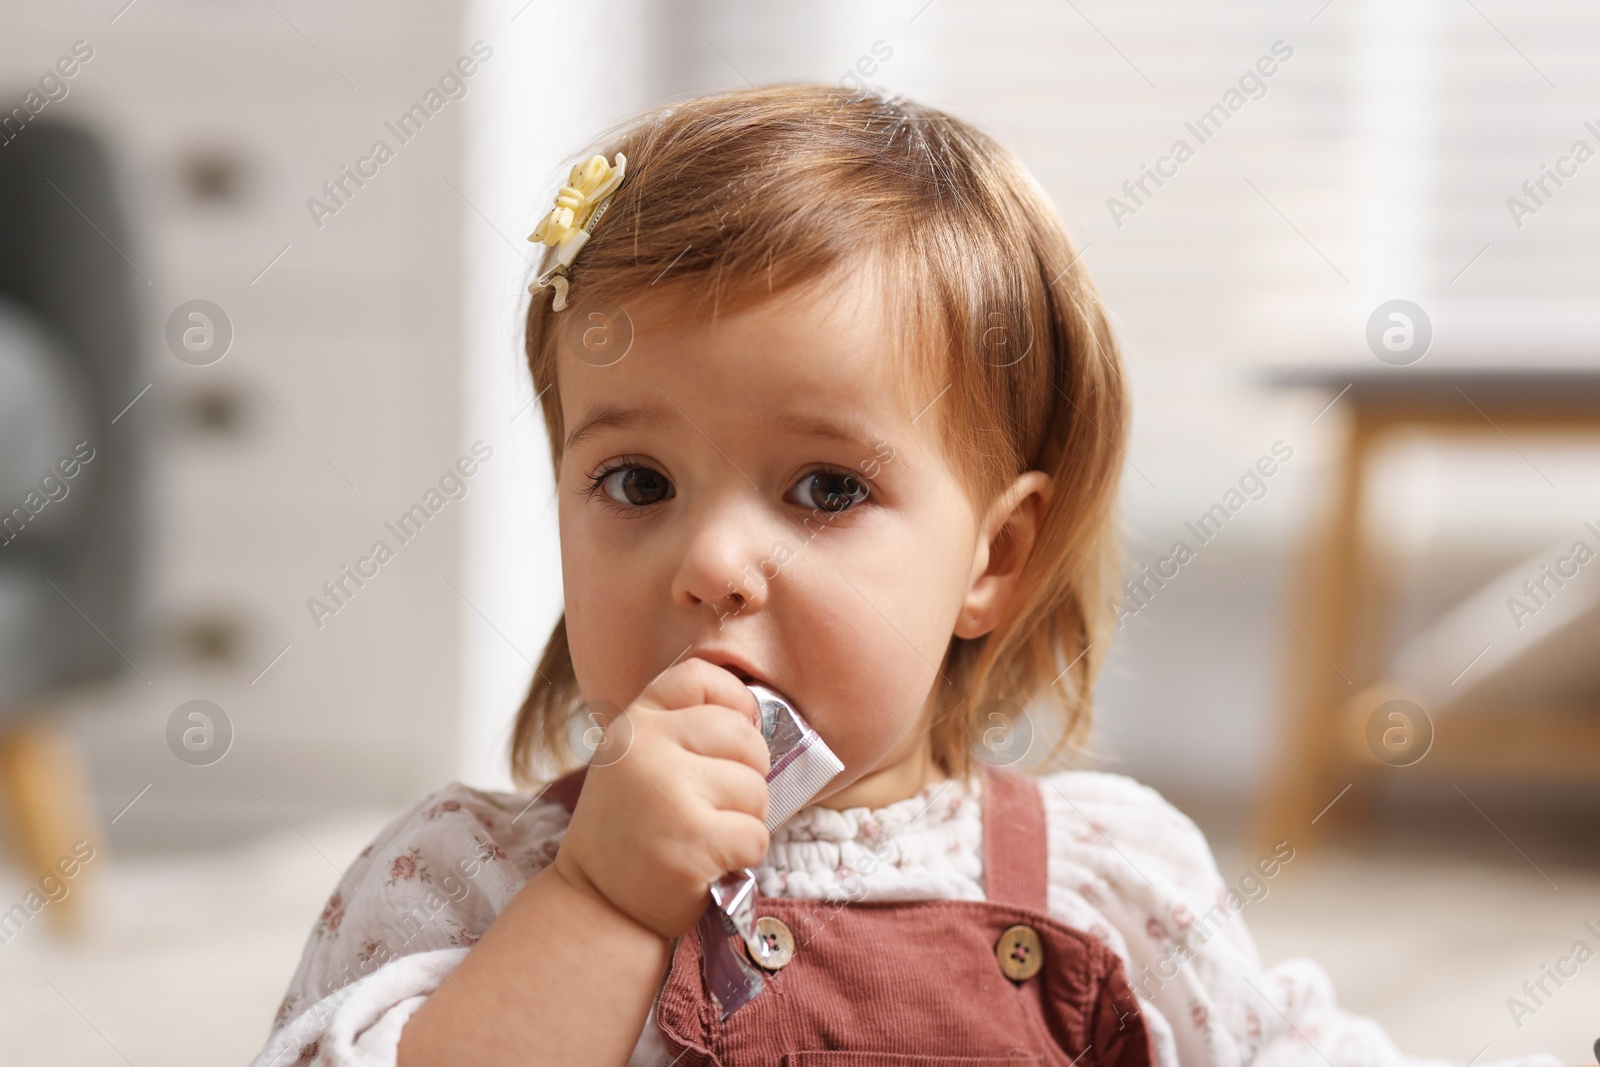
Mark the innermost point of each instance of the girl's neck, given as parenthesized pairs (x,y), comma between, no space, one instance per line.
(884,785)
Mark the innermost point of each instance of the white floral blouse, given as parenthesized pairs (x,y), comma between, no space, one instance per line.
(1124,866)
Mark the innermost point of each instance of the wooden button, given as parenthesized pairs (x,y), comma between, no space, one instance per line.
(1020,953)
(779,942)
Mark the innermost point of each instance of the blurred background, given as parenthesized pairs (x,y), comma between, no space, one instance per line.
(236,340)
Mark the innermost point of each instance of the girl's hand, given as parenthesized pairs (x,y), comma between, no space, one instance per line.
(681,799)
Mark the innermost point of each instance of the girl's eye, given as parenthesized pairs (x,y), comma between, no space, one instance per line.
(636,487)
(831,491)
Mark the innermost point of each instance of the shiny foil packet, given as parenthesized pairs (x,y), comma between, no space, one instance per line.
(802,764)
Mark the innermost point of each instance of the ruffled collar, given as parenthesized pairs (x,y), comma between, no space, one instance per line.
(926,846)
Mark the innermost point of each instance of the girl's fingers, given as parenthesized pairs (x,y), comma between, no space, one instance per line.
(695,681)
(727,786)
(716,731)
(741,840)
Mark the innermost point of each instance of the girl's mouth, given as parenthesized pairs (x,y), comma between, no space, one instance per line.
(734,666)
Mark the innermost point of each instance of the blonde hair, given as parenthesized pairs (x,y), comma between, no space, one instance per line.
(751,193)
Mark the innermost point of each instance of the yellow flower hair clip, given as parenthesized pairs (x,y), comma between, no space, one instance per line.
(565,231)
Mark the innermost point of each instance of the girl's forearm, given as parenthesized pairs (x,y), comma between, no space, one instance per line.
(561,977)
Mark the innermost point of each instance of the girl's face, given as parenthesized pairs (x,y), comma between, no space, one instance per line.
(759,492)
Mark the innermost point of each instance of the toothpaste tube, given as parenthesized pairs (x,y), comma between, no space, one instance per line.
(802,764)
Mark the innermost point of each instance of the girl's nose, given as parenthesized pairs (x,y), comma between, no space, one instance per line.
(723,567)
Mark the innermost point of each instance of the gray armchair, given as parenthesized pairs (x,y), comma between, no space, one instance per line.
(71,529)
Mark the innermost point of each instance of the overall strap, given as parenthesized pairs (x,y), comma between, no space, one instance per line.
(1015,852)
(564,790)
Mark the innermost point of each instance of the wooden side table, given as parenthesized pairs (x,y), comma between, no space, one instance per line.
(1323,778)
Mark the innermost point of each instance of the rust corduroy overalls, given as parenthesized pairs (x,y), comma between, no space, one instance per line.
(908,983)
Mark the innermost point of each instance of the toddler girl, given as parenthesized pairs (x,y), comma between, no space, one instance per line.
(834,410)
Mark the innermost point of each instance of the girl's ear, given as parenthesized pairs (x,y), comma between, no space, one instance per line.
(1005,538)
